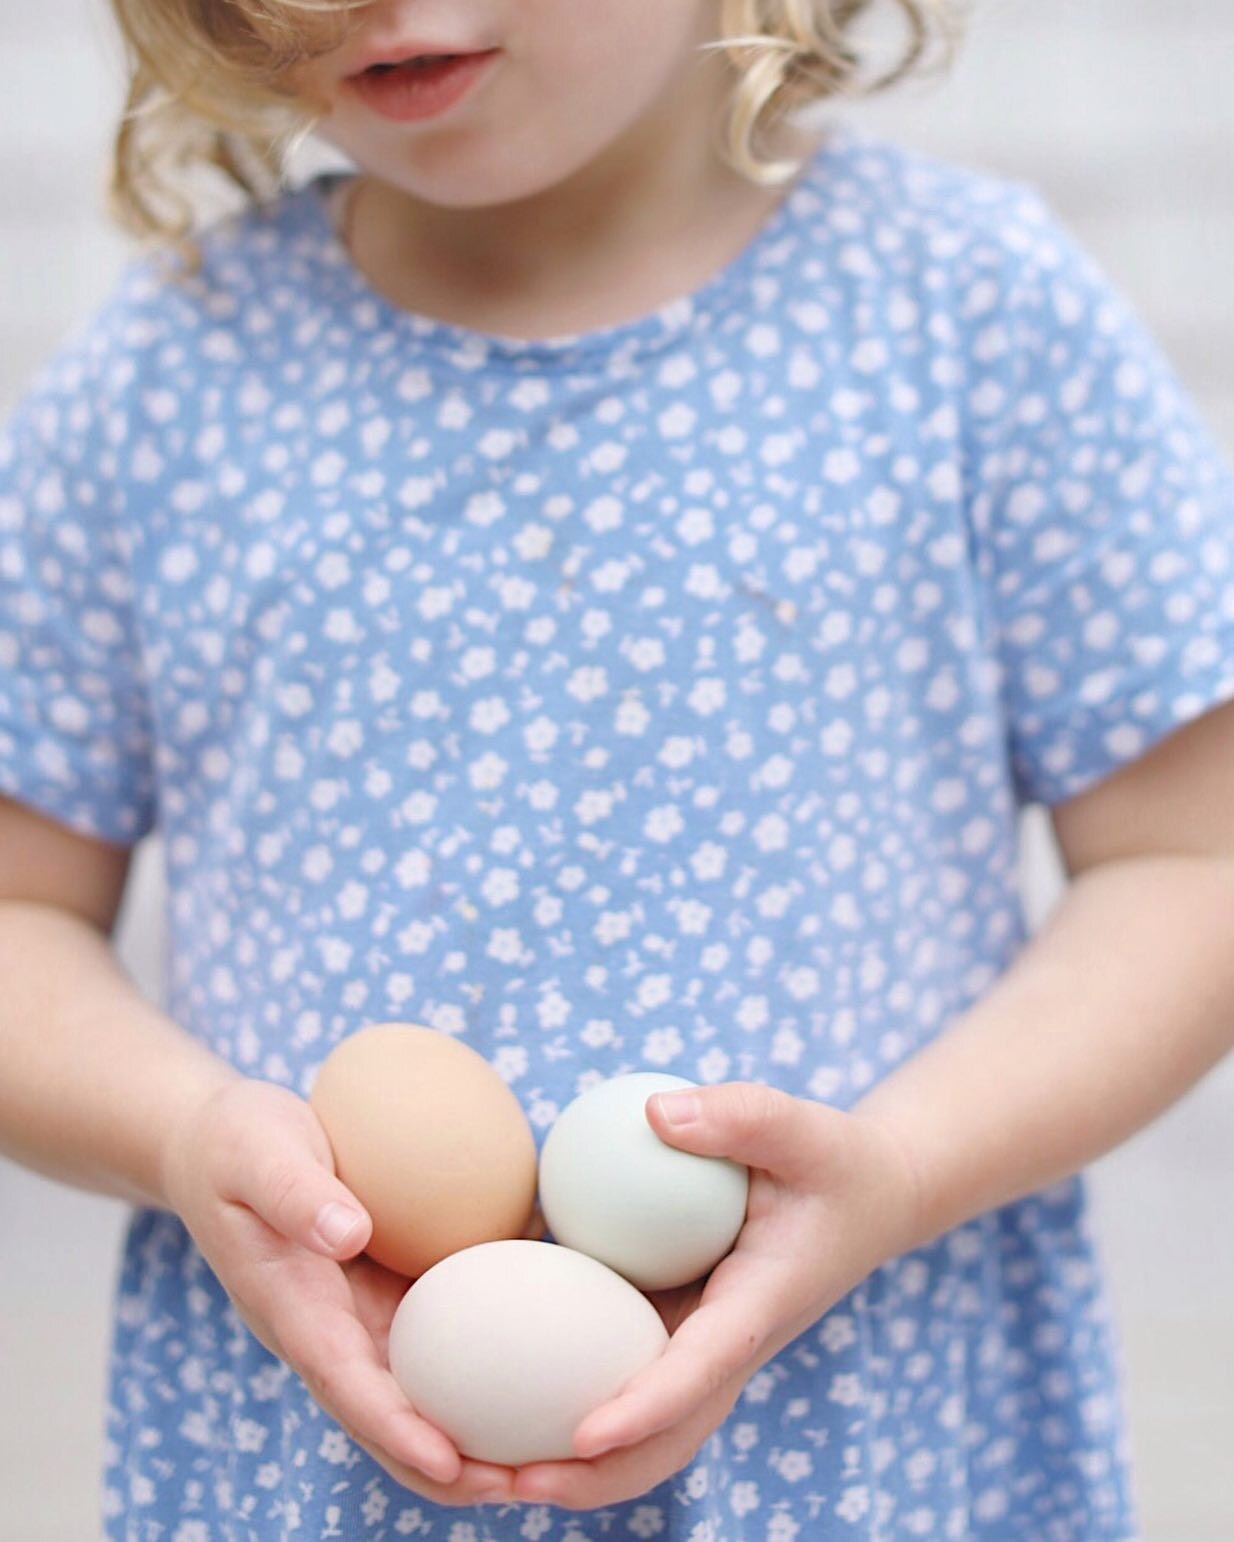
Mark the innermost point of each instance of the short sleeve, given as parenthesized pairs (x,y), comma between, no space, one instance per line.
(1102,514)
(75,733)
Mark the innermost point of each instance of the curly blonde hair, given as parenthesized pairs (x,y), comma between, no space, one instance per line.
(207,88)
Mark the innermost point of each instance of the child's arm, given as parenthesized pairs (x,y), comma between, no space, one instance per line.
(1108,1015)
(100,1089)
(1120,1003)
(93,1077)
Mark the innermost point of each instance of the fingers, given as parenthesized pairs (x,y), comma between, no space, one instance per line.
(626,1473)
(477,1483)
(352,1385)
(709,1348)
(375,1293)
(346,1378)
(337,1359)
(310,1310)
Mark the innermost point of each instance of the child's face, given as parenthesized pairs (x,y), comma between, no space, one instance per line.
(570,78)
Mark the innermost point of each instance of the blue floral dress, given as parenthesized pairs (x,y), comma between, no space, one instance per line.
(663,697)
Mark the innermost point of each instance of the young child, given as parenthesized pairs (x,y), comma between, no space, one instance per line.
(573,587)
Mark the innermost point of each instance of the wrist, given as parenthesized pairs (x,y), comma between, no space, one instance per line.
(906,1224)
(179,1139)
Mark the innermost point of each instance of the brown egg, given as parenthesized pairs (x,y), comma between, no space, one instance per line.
(431,1141)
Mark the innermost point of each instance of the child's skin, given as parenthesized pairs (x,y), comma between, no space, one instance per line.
(583,163)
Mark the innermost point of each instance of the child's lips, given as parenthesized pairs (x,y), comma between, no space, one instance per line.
(409,89)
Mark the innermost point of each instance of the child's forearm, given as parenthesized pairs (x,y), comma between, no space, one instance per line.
(1120,1003)
(92,1075)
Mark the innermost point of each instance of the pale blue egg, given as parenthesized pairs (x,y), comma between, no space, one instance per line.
(610,1187)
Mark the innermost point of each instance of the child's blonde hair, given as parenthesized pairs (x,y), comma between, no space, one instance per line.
(207,87)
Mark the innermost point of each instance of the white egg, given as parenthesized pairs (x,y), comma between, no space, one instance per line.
(610,1187)
(507,1346)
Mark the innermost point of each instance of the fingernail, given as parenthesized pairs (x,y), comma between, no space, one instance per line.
(336,1223)
(494,1494)
(679,1107)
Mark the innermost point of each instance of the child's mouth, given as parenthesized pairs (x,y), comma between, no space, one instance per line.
(419,88)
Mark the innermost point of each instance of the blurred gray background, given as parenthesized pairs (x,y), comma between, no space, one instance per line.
(1122,113)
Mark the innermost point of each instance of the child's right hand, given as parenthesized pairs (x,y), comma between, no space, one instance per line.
(250,1173)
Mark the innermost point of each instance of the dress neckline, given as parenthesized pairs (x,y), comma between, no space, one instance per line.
(666,322)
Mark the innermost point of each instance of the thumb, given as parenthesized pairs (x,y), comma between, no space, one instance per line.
(306,1203)
(262,1145)
(747,1122)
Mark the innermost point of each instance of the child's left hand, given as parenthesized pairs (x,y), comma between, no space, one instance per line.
(831,1197)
